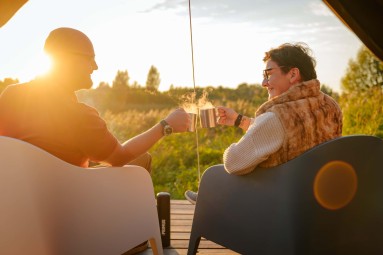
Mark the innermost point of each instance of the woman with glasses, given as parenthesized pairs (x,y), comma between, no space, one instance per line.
(296,117)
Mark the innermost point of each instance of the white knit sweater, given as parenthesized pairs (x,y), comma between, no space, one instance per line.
(264,136)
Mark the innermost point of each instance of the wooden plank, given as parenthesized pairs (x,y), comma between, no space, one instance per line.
(179,235)
(189,206)
(184,252)
(182,211)
(181,220)
(184,216)
(204,251)
(204,244)
(181,207)
(181,216)
(180,228)
(183,202)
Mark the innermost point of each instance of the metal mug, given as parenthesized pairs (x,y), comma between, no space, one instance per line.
(193,122)
(208,117)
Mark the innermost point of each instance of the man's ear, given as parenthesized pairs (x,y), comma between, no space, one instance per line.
(295,75)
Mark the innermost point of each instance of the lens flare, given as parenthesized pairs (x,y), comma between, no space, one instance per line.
(335,185)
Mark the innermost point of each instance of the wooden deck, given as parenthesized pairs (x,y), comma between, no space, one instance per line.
(181,220)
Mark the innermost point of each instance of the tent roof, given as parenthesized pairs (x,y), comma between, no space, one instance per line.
(364,18)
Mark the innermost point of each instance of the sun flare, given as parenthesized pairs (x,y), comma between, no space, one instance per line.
(40,65)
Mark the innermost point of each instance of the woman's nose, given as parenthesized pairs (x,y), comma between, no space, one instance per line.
(265,82)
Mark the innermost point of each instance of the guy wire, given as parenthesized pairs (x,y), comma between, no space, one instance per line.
(195,93)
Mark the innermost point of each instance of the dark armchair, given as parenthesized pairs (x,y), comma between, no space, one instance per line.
(327,201)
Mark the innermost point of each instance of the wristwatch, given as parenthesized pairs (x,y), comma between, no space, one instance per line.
(167,128)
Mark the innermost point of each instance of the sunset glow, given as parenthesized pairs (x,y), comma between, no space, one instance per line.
(230,38)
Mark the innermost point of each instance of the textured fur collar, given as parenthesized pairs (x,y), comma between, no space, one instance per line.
(301,90)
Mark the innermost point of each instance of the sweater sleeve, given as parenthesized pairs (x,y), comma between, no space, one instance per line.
(264,137)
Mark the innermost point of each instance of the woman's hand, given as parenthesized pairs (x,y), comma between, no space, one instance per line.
(226,116)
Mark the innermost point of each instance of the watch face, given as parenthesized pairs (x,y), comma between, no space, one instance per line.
(168,130)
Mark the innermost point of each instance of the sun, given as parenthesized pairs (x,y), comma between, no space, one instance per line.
(45,64)
(37,64)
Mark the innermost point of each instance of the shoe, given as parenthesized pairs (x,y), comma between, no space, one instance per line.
(139,248)
(191,196)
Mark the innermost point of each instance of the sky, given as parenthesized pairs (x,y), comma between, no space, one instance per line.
(229,38)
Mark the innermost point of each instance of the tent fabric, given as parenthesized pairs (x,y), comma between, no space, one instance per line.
(364,18)
(8,9)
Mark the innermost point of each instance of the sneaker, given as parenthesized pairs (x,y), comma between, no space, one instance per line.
(139,248)
(191,196)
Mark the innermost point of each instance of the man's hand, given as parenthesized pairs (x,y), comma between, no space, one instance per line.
(179,120)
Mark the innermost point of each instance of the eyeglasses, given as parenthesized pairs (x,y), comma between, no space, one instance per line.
(266,72)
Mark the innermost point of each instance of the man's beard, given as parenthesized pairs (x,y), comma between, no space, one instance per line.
(83,83)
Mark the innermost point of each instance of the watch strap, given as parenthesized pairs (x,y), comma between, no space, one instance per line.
(167,129)
(238,120)
(164,123)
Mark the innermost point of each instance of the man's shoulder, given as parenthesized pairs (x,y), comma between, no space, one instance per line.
(87,109)
(87,115)
(16,86)
(15,90)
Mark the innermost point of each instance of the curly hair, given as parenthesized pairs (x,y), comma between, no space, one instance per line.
(297,55)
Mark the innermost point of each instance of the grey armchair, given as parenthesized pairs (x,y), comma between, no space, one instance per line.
(328,200)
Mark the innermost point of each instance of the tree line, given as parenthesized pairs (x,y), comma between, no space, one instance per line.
(361,97)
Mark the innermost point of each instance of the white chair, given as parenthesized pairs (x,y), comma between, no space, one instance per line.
(48,206)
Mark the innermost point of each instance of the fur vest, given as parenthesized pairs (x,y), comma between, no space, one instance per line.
(309,117)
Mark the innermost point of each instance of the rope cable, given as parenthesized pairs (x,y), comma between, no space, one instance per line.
(195,92)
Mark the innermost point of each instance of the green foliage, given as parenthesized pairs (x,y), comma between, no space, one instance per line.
(252,93)
(363,112)
(105,98)
(362,97)
(329,91)
(363,73)
(127,124)
(153,80)
(121,81)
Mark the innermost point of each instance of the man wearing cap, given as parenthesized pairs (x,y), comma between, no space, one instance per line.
(45,111)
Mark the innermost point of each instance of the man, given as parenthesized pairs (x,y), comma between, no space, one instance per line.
(46,113)
(297,116)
